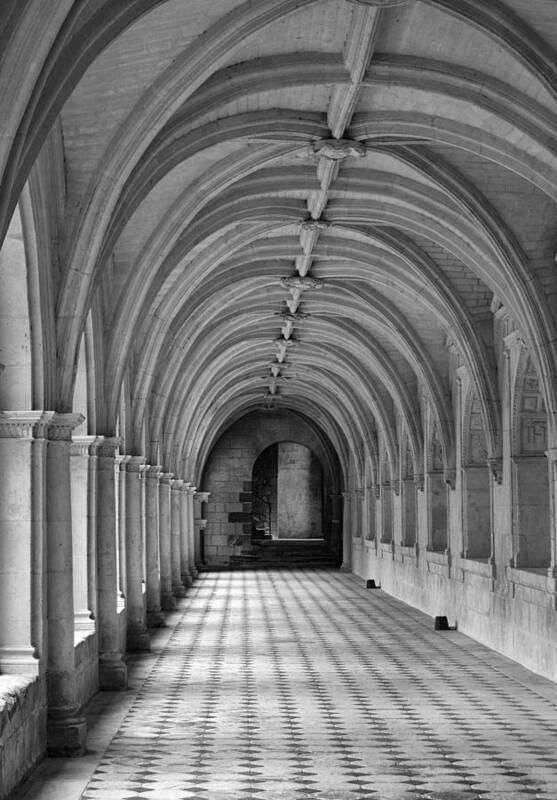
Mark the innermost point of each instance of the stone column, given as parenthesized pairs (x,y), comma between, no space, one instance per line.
(120,468)
(199,525)
(336,522)
(190,532)
(155,616)
(185,570)
(346,532)
(112,669)
(137,634)
(168,601)
(178,588)
(23,525)
(83,462)
(66,727)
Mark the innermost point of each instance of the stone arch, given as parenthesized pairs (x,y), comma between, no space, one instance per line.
(476,480)
(531,520)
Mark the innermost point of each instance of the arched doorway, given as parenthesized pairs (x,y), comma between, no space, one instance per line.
(287,493)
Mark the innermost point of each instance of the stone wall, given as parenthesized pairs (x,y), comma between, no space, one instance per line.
(229,473)
(514,614)
(22,728)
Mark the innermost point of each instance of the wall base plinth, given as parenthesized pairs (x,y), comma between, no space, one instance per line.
(113,672)
(138,641)
(168,601)
(179,590)
(156,619)
(66,735)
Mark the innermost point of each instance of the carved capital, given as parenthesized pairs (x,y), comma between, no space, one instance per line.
(496,469)
(24,424)
(396,487)
(152,471)
(203,496)
(135,464)
(166,478)
(85,445)
(108,446)
(419,482)
(176,484)
(449,476)
(190,489)
(338,149)
(61,426)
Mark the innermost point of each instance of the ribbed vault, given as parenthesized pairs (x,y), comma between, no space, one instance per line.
(288,204)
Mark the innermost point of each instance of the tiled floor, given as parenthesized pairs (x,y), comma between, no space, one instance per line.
(302,684)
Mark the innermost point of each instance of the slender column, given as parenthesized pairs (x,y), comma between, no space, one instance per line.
(190,530)
(155,616)
(335,523)
(66,727)
(178,588)
(168,601)
(83,462)
(112,669)
(185,571)
(199,525)
(137,635)
(120,468)
(23,526)
(346,533)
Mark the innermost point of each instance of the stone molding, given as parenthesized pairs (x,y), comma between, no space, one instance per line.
(339,149)
(61,426)
(419,481)
(24,424)
(135,464)
(85,445)
(166,478)
(380,3)
(108,446)
(121,461)
(176,484)
(203,496)
(152,471)
(449,476)
(190,488)
(495,466)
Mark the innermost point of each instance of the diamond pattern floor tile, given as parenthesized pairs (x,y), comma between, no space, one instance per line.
(286,685)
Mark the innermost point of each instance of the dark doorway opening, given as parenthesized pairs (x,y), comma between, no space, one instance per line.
(287,493)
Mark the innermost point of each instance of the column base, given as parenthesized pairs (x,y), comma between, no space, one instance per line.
(187,580)
(155,619)
(138,641)
(346,568)
(113,672)
(66,736)
(168,601)
(194,573)
(179,590)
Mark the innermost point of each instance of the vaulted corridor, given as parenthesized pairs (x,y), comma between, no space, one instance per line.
(305,684)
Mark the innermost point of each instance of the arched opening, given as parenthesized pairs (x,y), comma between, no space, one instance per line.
(287,493)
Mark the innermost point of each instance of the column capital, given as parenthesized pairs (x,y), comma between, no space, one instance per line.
(152,471)
(419,480)
(551,454)
(176,484)
(85,445)
(203,496)
(61,426)
(134,463)
(166,477)
(107,447)
(24,424)
(190,488)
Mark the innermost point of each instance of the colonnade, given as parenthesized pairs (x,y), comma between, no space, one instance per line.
(97,546)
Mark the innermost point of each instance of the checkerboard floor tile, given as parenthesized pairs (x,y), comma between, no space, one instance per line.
(286,685)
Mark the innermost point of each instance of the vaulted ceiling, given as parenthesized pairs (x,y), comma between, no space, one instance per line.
(300,204)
